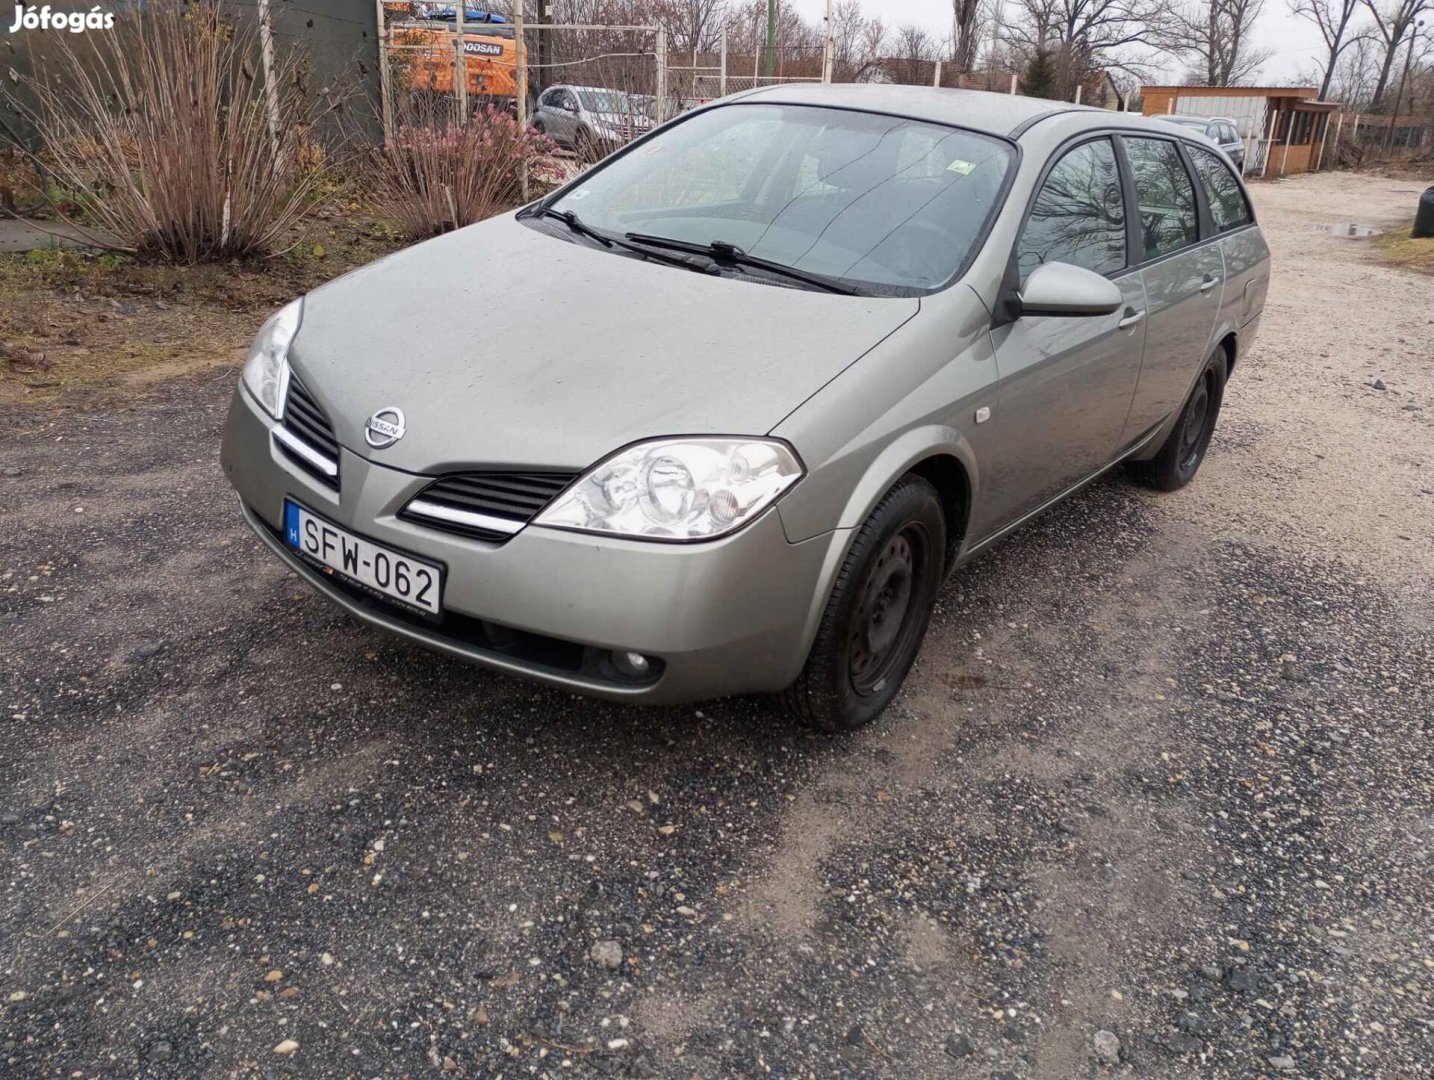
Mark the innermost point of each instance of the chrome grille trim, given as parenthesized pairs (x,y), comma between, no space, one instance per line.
(301,449)
(305,433)
(422,508)
(488,506)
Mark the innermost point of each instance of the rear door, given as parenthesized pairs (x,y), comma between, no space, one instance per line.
(1182,269)
(1246,256)
(1066,383)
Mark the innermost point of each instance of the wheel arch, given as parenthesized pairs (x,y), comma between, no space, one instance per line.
(948,475)
(940,455)
(1229,345)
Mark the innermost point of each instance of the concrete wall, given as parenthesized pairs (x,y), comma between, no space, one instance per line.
(338,37)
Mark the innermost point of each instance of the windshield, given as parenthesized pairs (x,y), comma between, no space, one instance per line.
(882,203)
(605,101)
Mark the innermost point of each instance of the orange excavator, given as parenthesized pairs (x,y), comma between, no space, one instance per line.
(422,55)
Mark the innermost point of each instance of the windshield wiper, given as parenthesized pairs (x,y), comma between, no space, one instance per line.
(723,252)
(572,221)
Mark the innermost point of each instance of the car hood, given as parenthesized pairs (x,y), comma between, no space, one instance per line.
(503,345)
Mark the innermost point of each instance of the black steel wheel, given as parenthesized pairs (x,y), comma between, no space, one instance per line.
(878,612)
(1179,457)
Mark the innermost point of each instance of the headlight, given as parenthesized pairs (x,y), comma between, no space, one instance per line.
(267,369)
(677,489)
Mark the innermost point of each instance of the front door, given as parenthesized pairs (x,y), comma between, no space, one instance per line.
(1066,383)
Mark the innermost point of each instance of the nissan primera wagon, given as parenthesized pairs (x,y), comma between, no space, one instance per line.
(750,389)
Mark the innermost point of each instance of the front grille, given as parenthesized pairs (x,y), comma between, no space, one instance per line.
(305,422)
(489,506)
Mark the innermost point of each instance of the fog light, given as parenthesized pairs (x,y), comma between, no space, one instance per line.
(632,663)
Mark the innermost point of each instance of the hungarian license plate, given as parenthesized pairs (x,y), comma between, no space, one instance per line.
(392,574)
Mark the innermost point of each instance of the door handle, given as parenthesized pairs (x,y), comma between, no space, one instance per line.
(1131,319)
(1209,283)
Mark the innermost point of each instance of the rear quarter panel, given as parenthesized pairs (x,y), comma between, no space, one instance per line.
(1247,276)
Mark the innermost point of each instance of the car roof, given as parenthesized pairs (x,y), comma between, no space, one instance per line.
(1008,115)
(998,114)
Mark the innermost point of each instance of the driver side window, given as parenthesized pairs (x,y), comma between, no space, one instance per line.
(1079,214)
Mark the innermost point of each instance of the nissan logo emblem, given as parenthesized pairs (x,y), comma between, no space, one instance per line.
(384,428)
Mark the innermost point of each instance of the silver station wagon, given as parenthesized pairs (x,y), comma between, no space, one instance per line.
(751,388)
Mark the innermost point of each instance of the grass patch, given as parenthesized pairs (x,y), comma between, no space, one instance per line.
(1398,248)
(82,327)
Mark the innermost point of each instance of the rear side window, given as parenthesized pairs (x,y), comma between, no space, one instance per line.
(1227,202)
(1228,134)
(1166,196)
(1079,215)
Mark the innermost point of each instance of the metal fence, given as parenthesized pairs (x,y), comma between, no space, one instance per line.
(625,77)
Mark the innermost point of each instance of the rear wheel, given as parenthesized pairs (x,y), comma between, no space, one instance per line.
(878,612)
(1184,449)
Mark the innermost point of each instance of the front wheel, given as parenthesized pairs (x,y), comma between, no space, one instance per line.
(1184,448)
(877,614)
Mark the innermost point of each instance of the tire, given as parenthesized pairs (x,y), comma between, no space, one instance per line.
(1184,448)
(877,614)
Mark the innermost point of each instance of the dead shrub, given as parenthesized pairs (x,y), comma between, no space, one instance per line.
(440,174)
(164,131)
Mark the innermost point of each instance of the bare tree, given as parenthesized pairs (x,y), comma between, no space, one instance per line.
(1217,34)
(912,53)
(857,43)
(798,41)
(965,33)
(1356,72)
(1393,19)
(1083,36)
(691,24)
(1332,18)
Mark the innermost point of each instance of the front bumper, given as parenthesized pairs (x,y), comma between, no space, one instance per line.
(729,616)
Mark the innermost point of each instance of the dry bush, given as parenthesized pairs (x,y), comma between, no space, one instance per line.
(164,131)
(439,174)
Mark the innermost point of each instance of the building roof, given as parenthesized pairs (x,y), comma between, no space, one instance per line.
(1239,91)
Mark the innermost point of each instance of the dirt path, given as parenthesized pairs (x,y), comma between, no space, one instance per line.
(1163,773)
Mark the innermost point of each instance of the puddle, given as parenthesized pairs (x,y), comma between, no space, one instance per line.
(1349,228)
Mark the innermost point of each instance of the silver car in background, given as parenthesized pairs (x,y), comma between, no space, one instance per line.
(752,388)
(1220,130)
(590,120)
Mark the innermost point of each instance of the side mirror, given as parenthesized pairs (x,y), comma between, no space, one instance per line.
(1062,289)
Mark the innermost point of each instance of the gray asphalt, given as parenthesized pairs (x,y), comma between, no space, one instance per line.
(1156,803)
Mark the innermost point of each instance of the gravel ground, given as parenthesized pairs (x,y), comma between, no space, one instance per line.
(1156,802)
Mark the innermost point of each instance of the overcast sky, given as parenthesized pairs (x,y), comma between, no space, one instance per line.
(1296,41)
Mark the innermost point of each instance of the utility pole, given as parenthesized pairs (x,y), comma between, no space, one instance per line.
(828,48)
(544,43)
(460,63)
(271,93)
(384,40)
(771,62)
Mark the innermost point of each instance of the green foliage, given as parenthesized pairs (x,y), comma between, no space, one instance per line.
(1041,77)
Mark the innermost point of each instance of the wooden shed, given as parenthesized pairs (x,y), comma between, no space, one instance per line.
(1284,127)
